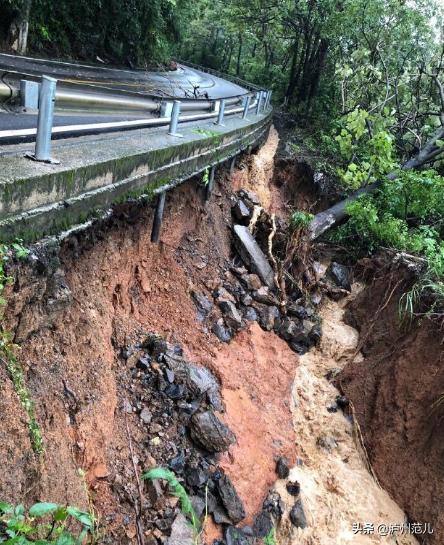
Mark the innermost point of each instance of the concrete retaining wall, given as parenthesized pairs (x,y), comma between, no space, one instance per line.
(37,200)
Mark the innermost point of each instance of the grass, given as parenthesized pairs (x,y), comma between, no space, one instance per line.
(270,538)
(176,489)
(410,302)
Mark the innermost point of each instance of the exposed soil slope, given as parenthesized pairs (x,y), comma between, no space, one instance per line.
(110,287)
(393,389)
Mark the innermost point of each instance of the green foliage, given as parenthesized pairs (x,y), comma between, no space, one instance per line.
(206,177)
(44,524)
(406,214)
(300,218)
(270,538)
(366,156)
(177,490)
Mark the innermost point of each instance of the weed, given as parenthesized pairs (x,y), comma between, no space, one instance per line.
(206,177)
(205,132)
(177,490)
(44,523)
(270,538)
(93,514)
(300,218)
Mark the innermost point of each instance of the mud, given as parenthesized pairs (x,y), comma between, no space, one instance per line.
(337,489)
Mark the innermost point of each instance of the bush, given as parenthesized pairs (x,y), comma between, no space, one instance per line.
(406,214)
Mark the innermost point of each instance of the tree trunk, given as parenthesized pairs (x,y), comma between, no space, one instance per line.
(18,31)
(239,54)
(292,78)
(333,215)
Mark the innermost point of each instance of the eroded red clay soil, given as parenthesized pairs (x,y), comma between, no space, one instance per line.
(122,286)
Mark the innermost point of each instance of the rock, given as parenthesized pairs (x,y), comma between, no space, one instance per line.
(230,499)
(198,506)
(293,488)
(341,275)
(332,408)
(203,304)
(263,524)
(252,255)
(250,314)
(210,433)
(196,476)
(241,212)
(263,295)
(143,363)
(177,463)
(299,348)
(220,516)
(289,329)
(315,334)
(127,407)
(232,316)
(342,402)
(282,467)
(251,281)
(274,505)
(175,391)
(269,317)
(297,310)
(235,536)
(246,300)
(239,271)
(222,332)
(150,540)
(146,415)
(169,375)
(327,442)
(201,381)
(249,196)
(222,294)
(297,515)
(316,297)
(181,532)
(155,492)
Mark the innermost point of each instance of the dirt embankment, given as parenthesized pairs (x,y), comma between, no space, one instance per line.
(72,314)
(394,389)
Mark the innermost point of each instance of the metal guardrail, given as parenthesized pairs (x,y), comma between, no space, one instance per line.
(43,96)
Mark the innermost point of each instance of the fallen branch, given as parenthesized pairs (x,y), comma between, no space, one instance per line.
(333,215)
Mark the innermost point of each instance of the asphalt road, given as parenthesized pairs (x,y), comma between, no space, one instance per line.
(181,83)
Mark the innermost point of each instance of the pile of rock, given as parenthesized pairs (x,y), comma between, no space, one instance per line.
(185,398)
(248,293)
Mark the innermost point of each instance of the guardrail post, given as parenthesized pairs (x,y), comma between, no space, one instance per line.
(29,94)
(246,107)
(45,120)
(220,117)
(259,102)
(210,185)
(158,216)
(175,119)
